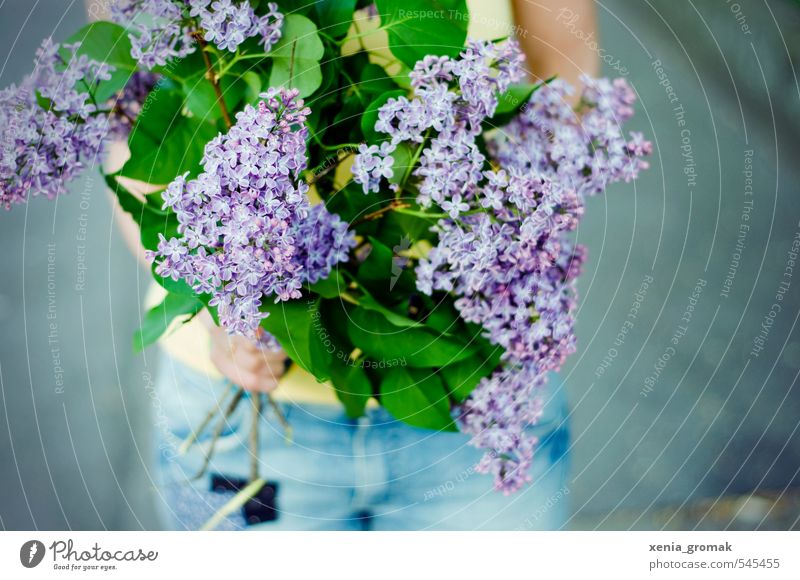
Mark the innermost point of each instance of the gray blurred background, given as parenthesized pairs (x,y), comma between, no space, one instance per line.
(701,435)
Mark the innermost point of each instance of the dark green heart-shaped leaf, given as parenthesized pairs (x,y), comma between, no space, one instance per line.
(417,346)
(418,28)
(334,16)
(352,385)
(164,143)
(296,56)
(417,398)
(300,330)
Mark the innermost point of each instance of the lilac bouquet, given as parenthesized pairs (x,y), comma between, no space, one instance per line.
(344,214)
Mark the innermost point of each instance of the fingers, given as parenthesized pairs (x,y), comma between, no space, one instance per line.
(246,364)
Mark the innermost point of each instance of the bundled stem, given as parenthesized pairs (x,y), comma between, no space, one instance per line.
(192,438)
(254,440)
(218,431)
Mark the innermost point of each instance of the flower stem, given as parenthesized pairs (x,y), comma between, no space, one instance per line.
(218,431)
(212,78)
(254,442)
(234,504)
(192,438)
(287,428)
(393,206)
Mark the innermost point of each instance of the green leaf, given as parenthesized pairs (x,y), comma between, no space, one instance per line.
(369,303)
(516,96)
(370,116)
(335,16)
(351,203)
(462,377)
(157,319)
(300,330)
(152,221)
(331,287)
(184,69)
(163,142)
(296,56)
(252,90)
(417,398)
(442,316)
(352,386)
(403,161)
(417,28)
(395,226)
(382,272)
(416,346)
(109,43)
(373,80)
(132,204)
(511,102)
(201,99)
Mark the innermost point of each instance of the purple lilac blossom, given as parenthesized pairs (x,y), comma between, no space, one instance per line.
(504,250)
(164,29)
(49,124)
(126,105)
(247,229)
(452,97)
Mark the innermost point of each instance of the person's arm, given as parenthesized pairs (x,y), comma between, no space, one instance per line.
(239,359)
(559,37)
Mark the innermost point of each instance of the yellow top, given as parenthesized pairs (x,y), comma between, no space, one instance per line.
(189,342)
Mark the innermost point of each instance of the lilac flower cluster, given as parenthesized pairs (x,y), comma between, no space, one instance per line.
(247,230)
(585,150)
(514,268)
(503,249)
(162,36)
(452,97)
(126,105)
(49,124)
(168,26)
(228,24)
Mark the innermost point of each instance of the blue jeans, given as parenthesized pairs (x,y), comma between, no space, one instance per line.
(343,474)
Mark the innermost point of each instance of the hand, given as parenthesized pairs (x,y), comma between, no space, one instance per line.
(243,362)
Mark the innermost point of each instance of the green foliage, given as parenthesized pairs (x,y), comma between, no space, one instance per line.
(201,99)
(421,347)
(157,319)
(106,42)
(382,272)
(165,143)
(152,221)
(300,329)
(331,287)
(416,397)
(417,28)
(365,329)
(511,102)
(462,377)
(295,58)
(334,16)
(352,385)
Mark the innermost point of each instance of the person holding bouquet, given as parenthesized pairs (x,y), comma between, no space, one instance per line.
(359,219)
